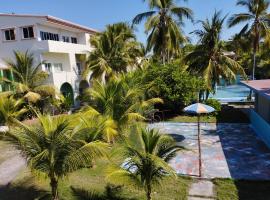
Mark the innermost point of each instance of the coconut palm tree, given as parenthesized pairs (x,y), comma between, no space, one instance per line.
(55,148)
(10,109)
(120,102)
(28,78)
(163,23)
(115,50)
(257,20)
(145,161)
(209,58)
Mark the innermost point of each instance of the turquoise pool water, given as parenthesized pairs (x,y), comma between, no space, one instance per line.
(231,93)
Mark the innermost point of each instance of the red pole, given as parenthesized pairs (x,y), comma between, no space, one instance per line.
(199,147)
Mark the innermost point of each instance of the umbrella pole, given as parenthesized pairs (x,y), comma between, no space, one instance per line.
(199,147)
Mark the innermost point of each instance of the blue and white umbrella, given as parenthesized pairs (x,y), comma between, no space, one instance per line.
(198,109)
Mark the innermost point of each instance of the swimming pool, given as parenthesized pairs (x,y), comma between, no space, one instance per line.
(231,93)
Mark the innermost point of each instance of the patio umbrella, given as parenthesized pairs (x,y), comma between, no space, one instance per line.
(199,109)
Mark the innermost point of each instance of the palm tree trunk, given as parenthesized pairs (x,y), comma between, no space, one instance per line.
(254,64)
(54,186)
(148,192)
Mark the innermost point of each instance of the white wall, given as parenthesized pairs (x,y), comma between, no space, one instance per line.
(51,51)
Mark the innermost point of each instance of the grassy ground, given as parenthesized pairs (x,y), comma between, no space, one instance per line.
(227,115)
(228,189)
(90,184)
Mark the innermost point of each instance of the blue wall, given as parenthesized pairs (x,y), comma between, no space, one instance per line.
(261,127)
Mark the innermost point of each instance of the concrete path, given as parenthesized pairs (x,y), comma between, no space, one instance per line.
(202,190)
(10,168)
(11,164)
(228,151)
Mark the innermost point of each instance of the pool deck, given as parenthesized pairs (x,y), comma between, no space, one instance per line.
(228,151)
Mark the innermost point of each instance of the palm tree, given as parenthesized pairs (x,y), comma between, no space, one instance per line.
(10,109)
(257,20)
(120,102)
(209,58)
(29,79)
(115,50)
(163,22)
(55,148)
(146,161)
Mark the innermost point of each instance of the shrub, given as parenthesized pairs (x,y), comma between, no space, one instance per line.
(215,104)
(173,84)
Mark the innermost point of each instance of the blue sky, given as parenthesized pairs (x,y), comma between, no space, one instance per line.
(98,13)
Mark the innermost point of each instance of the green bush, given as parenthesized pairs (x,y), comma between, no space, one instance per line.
(215,104)
(173,84)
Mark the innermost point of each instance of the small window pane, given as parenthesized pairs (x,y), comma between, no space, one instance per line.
(7,35)
(74,40)
(12,34)
(25,33)
(31,32)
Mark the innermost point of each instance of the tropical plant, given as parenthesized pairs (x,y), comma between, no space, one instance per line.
(28,78)
(145,161)
(173,84)
(163,22)
(115,51)
(257,21)
(120,102)
(209,58)
(55,148)
(10,109)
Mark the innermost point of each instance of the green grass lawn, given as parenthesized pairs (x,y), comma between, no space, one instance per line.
(90,181)
(228,189)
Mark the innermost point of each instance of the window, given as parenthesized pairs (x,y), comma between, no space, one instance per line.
(65,39)
(28,32)
(9,34)
(49,36)
(74,40)
(79,68)
(48,67)
(58,67)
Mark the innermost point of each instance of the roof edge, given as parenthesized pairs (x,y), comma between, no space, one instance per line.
(56,20)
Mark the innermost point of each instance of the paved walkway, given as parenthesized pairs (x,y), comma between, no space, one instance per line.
(228,151)
(202,190)
(11,164)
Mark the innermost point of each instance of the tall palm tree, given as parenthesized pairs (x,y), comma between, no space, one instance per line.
(163,22)
(115,50)
(10,109)
(28,78)
(208,58)
(257,20)
(145,161)
(120,102)
(55,148)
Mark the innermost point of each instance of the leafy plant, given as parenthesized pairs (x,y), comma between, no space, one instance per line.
(11,109)
(120,102)
(115,50)
(173,84)
(163,25)
(214,104)
(145,161)
(54,148)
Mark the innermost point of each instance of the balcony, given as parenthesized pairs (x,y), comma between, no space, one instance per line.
(63,47)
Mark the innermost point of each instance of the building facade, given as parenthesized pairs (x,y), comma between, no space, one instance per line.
(260,115)
(61,45)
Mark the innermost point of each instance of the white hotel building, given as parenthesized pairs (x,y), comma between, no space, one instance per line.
(61,45)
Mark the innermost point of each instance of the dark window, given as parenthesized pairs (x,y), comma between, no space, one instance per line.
(49,36)
(65,39)
(28,32)
(10,34)
(74,40)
